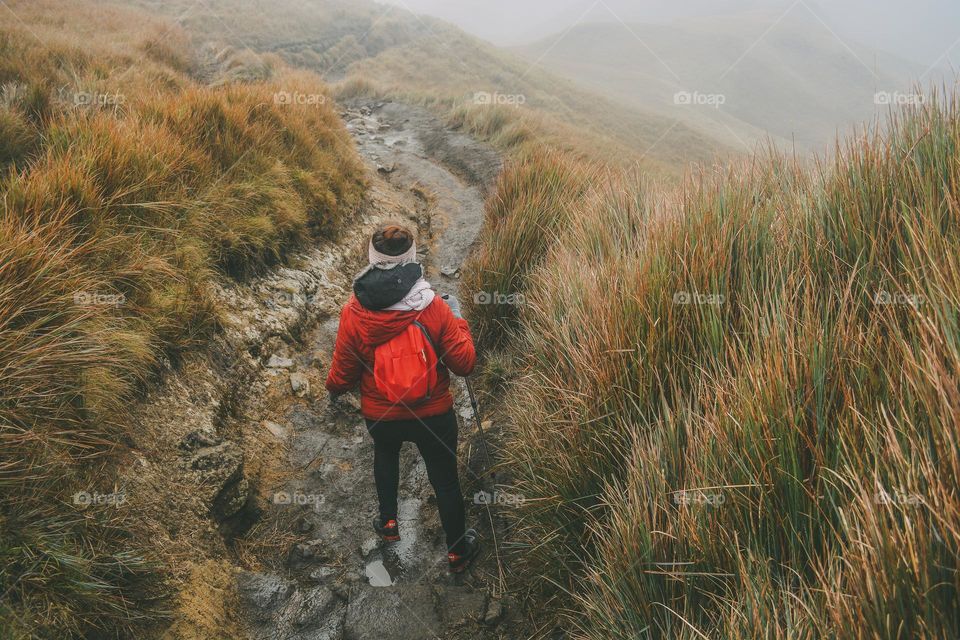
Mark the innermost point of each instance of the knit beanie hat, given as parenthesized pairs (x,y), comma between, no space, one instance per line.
(392,244)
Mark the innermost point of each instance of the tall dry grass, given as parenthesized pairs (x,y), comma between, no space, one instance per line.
(738,414)
(117,214)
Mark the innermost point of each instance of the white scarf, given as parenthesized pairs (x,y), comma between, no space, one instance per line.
(417,299)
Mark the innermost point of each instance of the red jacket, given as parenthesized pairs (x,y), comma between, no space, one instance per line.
(362,330)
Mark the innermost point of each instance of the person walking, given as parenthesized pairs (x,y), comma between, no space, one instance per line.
(399,341)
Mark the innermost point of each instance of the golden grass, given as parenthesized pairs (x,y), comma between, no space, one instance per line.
(127,187)
(737,415)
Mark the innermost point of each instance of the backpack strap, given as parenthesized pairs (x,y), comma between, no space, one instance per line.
(426,334)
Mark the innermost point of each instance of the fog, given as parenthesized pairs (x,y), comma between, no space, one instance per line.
(926,32)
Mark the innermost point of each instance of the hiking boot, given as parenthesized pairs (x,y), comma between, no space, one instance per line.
(459,562)
(388,531)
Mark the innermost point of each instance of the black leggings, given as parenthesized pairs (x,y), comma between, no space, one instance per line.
(436,438)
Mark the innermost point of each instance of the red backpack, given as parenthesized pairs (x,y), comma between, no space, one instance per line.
(405,368)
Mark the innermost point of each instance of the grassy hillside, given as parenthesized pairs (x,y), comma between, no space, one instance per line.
(791,79)
(734,405)
(127,187)
(377,49)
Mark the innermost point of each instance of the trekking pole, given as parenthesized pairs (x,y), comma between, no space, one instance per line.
(476,414)
(486,454)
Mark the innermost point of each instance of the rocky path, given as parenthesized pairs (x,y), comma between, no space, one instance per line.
(329,578)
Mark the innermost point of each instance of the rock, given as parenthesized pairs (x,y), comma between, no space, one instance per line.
(264,594)
(220,470)
(322,574)
(341,592)
(386,170)
(391,613)
(299,384)
(310,607)
(306,553)
(350,400)
(198,439)
(277,431)
(368,545)
(276,362)
(289,285)
(450,271)
(461,605)
(466,413)
(494,613)
(304,525)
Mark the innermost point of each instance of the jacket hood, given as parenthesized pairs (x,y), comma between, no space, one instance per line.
(379,327)
(377,288)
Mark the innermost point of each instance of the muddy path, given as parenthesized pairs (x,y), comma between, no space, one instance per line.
(321,573)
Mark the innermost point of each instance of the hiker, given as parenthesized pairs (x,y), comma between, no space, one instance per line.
(399,340)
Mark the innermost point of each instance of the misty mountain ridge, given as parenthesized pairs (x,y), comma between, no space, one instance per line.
(739,77)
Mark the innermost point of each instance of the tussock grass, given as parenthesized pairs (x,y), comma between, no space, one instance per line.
(117,213)
(805,399)
(530,210)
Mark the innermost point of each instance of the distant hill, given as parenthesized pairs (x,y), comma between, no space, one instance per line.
(793,79)
(433,61)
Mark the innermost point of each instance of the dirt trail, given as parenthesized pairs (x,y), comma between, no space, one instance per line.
(335,580)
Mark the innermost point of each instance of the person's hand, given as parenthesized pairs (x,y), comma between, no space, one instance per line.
(454,304)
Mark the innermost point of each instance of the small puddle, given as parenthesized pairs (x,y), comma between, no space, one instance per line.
(378,575)
(388,564)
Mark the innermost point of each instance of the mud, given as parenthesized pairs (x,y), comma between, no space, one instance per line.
(336,580)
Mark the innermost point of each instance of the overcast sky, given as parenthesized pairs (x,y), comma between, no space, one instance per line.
(921,30)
